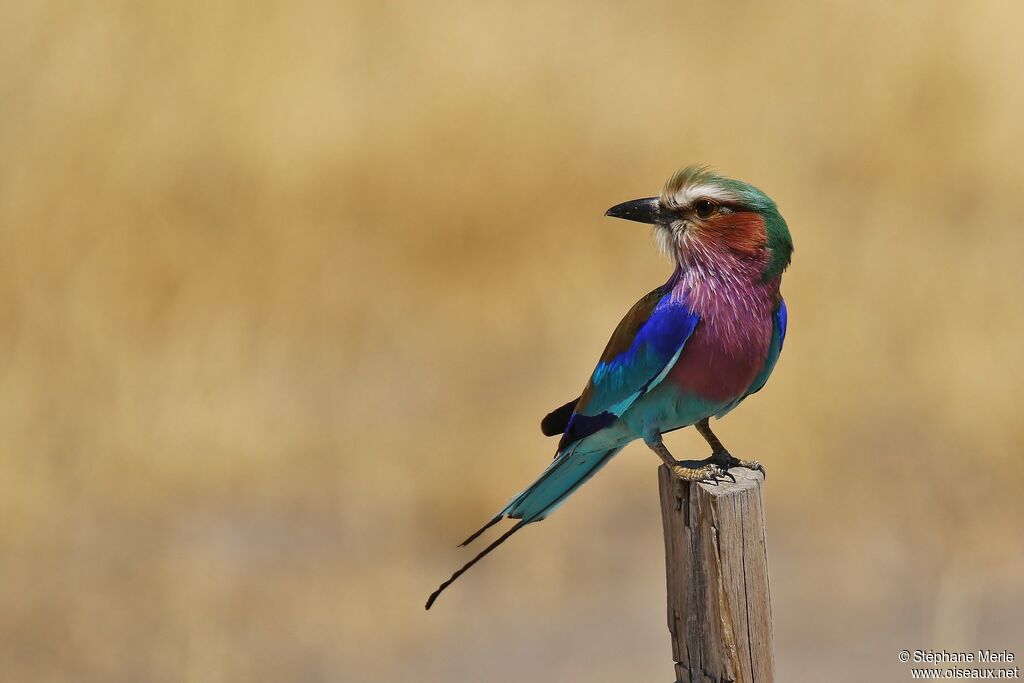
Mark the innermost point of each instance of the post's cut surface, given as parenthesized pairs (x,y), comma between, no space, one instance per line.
(719,612)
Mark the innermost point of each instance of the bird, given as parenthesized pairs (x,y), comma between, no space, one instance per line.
(689,350)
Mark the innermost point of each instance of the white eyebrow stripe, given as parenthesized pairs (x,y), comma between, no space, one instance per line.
(686,195)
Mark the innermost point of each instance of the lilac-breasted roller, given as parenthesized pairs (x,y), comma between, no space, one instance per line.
(690,350)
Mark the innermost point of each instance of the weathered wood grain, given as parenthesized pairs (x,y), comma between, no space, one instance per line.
(719,612)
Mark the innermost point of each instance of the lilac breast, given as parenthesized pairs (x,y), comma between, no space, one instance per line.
(711,369)
(730,344)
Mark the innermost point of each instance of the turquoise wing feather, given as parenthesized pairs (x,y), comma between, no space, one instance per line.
(641,351)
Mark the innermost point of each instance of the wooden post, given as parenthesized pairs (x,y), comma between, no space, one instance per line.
(719,613)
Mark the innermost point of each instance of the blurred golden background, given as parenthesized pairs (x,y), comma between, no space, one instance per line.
(286,288)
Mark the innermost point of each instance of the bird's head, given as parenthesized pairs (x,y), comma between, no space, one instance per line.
(700,212)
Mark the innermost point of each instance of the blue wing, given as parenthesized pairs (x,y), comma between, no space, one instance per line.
(641,351)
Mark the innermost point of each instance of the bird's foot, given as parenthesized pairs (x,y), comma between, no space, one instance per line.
(707,472)
(726,461)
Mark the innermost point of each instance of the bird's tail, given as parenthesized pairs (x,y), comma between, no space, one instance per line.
(566,473)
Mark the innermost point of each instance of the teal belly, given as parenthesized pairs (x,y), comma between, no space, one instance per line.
(666,408)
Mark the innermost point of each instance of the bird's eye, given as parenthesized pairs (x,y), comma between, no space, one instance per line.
(704,208)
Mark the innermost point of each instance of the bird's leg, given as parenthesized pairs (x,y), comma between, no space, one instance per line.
(722,457)
(687,470)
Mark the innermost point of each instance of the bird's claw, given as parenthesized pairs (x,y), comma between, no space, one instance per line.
(708,474)
(727,461)
(750,465)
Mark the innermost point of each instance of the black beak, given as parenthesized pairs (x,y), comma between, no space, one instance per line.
(640,210)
